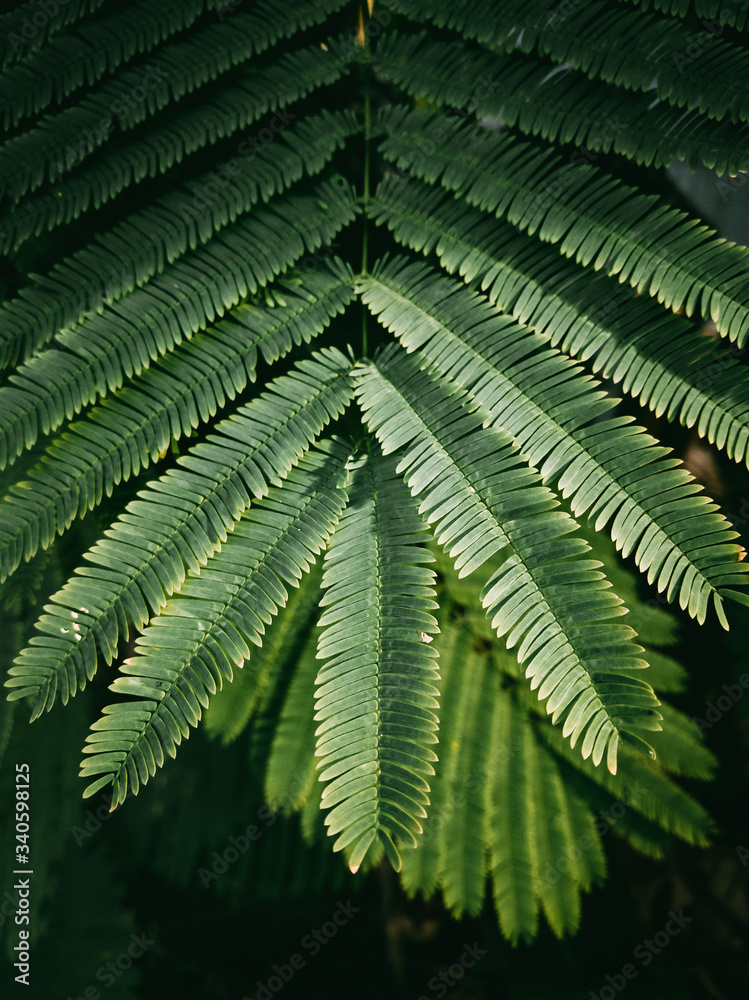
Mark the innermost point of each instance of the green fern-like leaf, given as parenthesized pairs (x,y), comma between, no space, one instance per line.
(554,418)
(658,358)
(179,522)
(589,216)
(482,503)
(125,434)
(375,692)
(463,205)
(202,636)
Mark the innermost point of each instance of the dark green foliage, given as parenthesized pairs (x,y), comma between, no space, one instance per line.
(491,294)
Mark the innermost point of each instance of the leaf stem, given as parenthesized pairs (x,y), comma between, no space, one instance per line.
(365,197)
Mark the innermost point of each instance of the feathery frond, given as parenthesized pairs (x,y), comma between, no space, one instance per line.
(27,160)
(89,184)
(631,49)
(587,215)
(190,649)
(97,48)
(99,354)
(190,193)
(375,691)
(144,244)
(655,356)
(182,391)
(544,595)
(560,105)
(16,44)
(178,523)
(553,415)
